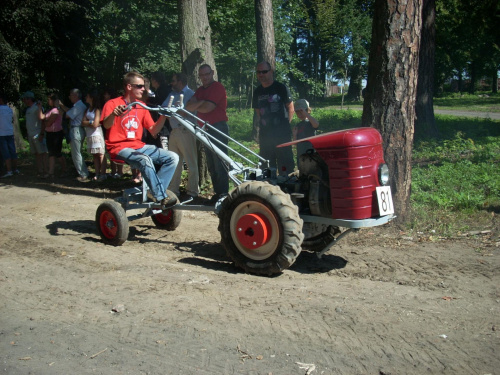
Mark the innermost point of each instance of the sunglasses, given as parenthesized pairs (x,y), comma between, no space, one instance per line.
(137,86)
(262,71)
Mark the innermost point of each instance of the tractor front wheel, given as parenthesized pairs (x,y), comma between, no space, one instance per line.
(260,228)
(112,223)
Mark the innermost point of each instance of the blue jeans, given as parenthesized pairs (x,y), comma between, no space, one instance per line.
(77,138)
(8,147)
(145,159)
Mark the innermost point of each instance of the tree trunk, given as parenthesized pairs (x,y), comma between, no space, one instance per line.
(196,42)
(392,88)
(425,122)
(266,49)
(494,83)
(196,49)
(354,91)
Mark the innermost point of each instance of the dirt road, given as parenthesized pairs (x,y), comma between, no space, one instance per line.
(381,302)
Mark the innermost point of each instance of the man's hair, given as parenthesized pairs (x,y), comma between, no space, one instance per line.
(181,77)
(130,77)
(203,66)
(267,63)
(159,77)
(77,92)
(3,97)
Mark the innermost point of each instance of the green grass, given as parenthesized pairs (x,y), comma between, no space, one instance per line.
(480,102)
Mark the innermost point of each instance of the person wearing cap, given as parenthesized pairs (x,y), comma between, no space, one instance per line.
(7,144)
(36,137)
(77,132)
(274,110)
(305,128)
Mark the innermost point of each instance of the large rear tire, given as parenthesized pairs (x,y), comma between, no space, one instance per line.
(260,228)
(112,223)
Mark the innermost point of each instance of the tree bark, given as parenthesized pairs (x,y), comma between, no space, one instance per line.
(266,49)
(392,88)
(196,42)
(425,123)
(196,49)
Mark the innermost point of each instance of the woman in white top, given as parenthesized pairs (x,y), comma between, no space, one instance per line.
(95,137)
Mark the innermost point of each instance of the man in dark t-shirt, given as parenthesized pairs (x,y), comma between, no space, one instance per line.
(273,107)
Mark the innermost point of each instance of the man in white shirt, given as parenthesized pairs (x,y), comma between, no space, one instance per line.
(37,144)
(183,142)
(77,132)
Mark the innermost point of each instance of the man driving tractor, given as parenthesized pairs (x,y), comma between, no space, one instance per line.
(124,127)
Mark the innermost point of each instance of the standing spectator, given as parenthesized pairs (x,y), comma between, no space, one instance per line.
(53,131)
(7,144)
(273,107)
(210,101)
(95,137)
(181,141)
(124,139)
(161,90)
(305,128)
(116,168)
(160,87)
(77,133)
(34,128)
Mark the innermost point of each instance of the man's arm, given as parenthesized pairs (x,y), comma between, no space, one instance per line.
(291,111)
(202,106)
(110,119)
(155,129)
(256,123)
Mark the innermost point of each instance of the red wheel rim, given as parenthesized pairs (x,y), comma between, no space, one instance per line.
(253,230)
(108,224)
(164,218)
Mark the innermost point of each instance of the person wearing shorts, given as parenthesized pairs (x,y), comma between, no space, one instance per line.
(53,132)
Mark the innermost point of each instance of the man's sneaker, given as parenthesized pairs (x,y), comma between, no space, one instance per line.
(168,202)
(17,171)
(8,174)
(83,179)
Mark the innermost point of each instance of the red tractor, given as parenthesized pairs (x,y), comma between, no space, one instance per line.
(341,185)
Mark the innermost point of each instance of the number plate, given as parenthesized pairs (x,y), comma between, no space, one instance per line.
(384,198)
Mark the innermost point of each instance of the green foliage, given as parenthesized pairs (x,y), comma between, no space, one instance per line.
(456,180)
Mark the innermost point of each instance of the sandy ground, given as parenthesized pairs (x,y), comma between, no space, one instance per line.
(380,302)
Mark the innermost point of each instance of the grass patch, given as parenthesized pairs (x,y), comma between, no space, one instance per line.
(480,102)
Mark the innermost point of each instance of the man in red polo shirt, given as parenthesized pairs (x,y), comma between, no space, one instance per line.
(123,139)
(210,101)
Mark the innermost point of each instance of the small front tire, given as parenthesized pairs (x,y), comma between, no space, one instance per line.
(112,223)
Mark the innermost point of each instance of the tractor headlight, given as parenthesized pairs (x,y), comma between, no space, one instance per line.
(383,174)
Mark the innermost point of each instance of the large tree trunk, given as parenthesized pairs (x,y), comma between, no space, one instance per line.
(266,49)
(196,42)
(392,88)
(425,123)
(494,80)
(196,49)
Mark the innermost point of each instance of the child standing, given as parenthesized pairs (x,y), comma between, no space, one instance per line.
(305,128)
(95,137)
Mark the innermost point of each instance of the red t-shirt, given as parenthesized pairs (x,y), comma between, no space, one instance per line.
(126,131)
(215,93)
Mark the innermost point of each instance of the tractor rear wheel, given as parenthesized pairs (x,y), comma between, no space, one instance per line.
(112,223)
(260,228)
